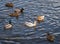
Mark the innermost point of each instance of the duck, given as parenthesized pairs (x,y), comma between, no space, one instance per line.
(9,5)
(17,10)
(40,18)
(8,26)
(50,37)
(14,14)
(30,24)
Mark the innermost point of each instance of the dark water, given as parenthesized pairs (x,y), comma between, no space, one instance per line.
(21,34)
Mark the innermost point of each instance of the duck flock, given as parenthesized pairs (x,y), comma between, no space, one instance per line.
(16,14)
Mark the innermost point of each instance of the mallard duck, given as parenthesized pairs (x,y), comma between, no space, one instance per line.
(40,18)
(14,14)
(8,26)
(19,10)
(50,37)
(30,24)
(9,5)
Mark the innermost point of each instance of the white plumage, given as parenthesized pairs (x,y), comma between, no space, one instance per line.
(42,17)
(30,24)
(17,10)
(8,26)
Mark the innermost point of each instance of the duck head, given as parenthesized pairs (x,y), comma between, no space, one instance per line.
(22,10)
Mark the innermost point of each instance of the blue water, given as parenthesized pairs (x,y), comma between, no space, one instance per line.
(21,34)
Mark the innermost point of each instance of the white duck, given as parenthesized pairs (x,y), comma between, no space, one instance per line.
(8,26)
(40,18)
(30,24)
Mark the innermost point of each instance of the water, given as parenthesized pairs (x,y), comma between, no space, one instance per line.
(21,34)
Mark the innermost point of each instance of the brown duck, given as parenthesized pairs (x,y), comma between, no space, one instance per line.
(40,18)
(14,15)
(9,5)
(50,37)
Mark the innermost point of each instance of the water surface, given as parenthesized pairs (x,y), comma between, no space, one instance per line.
(24,35)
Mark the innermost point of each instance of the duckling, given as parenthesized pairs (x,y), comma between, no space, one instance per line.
(40,18)
(19,10)
(9,5)
(8,26)
(30,24)
(50,37)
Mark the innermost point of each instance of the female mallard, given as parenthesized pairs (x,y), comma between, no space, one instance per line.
(8,26)
(30,24)
(9,5)
(19,10)
(40,18)
(50,37)
(14,14)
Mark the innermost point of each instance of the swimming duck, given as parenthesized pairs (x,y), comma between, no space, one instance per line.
(14,14)
(8,26)
(9,5)
(19,10)
(50,37)
(40,18)
(30,24)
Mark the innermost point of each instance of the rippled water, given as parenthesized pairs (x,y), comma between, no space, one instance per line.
(21,34)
